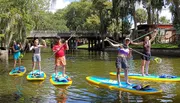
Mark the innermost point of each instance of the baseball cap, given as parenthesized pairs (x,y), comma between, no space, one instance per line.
(127,39)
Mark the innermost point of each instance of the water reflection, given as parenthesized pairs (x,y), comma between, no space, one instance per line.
(61,94)
(80,64)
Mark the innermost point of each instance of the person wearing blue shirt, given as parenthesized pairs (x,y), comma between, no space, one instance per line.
(16,53)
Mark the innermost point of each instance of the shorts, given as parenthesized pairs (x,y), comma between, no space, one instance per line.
(147,57)
(60,61)
(16,55)
(36,58)
(121,62)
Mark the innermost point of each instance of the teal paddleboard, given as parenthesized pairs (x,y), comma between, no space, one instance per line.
(113,84)
(18,71)
(36,76)
(163,78)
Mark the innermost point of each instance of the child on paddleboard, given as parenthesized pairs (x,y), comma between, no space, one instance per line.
(146,51)
(59,49)
(121,61)
(17,47)
(36,57)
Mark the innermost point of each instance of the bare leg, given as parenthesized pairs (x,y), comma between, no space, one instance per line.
(56,70)
(118,76)
(15,63)
(63,70)
(126,75)
(142,67)
(147,66)
(19,64)
(39,67)
(34,65)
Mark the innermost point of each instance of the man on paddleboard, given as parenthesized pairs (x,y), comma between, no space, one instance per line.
(121,61)
(59,49)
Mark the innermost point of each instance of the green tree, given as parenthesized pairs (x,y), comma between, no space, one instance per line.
(50,21)
(163,20)
(175,10)
(76,14)
(18,17)
(141,16)
(153,6)
(92,23)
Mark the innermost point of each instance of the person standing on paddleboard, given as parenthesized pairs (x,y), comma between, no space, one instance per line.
(16,53)
(124,53)
(36,57)
(146,51)
(59,49)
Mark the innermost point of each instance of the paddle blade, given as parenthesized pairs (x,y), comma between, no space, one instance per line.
(21,56)
(158,60)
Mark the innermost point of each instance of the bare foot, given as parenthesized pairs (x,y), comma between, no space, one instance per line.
(120,84)
(147,74)
(128,83)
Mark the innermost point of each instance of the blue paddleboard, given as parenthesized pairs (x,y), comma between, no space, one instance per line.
(36,76)
(163,78)
(18,71)
(113,84)
(60,80)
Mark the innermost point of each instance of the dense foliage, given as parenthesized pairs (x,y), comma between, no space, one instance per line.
(19,17)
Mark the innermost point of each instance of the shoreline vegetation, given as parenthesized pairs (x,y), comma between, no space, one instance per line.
(154,46)
(169,50)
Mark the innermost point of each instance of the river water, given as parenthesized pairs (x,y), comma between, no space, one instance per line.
(80,64)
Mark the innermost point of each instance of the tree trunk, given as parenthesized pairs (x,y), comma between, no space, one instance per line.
(102,28)
(149,15)
(153,17)
(157,14)
(134,15)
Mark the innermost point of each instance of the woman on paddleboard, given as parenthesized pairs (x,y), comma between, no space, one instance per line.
(16,53)
(146,51)
(59,49)
(124,53)
(36,57)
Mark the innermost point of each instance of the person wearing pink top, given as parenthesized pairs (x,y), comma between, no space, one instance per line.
(124,53)
(59,48)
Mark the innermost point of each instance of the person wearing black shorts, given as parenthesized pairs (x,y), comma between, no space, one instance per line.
(146,51)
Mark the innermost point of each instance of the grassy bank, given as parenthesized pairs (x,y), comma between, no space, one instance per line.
(158,46)
(134,46)
(85,46)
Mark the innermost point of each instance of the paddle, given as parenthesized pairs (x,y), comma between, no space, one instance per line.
(156,59)
(50,58)
(142,36)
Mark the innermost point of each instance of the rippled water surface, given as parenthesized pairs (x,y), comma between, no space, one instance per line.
(81,63)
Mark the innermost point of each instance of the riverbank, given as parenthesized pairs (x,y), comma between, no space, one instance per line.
(166,51)
(3,55)
(175,52)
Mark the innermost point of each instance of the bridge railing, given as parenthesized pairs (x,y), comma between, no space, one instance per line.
(63,34)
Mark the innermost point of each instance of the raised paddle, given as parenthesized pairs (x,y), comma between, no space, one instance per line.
(60,47)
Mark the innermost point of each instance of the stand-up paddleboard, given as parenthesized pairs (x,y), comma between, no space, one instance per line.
(36,76)
(60,80)
(18,71)
(113,84)
(163,78)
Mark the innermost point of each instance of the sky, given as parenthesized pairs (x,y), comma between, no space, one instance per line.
(60,4)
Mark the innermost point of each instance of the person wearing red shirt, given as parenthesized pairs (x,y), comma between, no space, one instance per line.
(59,48)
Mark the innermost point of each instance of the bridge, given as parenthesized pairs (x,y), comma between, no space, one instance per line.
(93,38)
(54,34)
